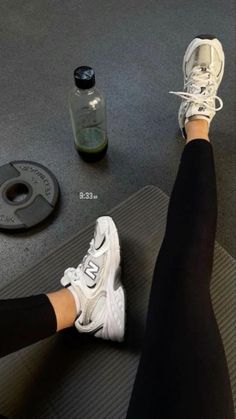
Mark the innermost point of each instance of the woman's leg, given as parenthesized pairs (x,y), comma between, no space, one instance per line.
(183,371)
(24,321)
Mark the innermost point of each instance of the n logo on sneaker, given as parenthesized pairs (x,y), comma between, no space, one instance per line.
(92,270)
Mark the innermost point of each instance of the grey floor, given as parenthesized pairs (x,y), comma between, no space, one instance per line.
(136,49)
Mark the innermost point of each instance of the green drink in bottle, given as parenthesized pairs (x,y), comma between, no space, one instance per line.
(88,115)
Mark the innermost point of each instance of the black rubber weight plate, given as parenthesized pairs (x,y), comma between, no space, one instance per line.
(76,376)
(28,194)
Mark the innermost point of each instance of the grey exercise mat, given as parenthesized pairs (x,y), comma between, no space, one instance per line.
(78,376)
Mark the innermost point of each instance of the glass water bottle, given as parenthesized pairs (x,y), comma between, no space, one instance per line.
(88,115)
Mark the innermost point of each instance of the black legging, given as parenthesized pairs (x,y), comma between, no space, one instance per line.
(182,372)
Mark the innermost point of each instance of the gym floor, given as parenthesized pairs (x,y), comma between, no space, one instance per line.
(136,49)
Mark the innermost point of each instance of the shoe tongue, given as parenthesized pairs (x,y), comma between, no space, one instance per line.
(203,69)
(198,110)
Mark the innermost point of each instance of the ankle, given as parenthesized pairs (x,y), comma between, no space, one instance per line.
(64,306)
(197,129)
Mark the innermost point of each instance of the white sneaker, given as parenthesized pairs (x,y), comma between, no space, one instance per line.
(203,68)
(96,283)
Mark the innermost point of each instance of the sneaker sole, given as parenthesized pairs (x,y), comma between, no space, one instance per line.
(114,324)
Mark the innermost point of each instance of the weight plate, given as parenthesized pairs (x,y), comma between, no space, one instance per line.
(28,194)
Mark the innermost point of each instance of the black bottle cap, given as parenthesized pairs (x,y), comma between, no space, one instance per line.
(84,77)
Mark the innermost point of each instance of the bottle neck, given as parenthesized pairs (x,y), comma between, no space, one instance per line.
(85,91)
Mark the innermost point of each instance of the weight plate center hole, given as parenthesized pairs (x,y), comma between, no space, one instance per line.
(17,193)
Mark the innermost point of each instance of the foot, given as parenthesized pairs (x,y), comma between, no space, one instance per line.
(96,285)
(203,68)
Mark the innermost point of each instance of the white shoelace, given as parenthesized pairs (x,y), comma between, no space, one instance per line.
(197,79)
(77,273)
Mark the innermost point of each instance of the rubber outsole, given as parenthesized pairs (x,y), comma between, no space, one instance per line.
(117,282)
(206,36)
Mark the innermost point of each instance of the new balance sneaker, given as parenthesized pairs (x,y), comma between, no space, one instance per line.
(96,285)
(203,68)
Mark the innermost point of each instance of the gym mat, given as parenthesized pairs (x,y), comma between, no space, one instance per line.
(78,376)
